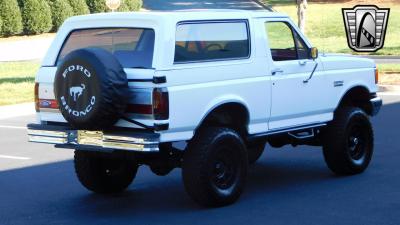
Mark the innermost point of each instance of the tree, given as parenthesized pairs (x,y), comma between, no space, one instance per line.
(301,14)
(60,11)
(130,5)
(36,17)
(11,17)
(96,6)
(79,7)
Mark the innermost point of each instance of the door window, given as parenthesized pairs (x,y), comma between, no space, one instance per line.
(284,42)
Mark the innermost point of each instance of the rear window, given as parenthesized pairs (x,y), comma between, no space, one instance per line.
(211,41)
(131,46)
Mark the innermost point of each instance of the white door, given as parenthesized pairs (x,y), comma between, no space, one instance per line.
(297,93)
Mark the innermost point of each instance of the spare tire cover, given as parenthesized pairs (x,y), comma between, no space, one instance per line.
(91,89)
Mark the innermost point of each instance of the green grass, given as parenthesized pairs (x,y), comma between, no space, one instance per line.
(17,81)
(389,68)
(325,27)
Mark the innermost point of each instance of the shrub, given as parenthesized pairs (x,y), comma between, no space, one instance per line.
(60,11)
(130,5)
(1,23)
(79,7)
(96,6)
(11,17)
(36,16)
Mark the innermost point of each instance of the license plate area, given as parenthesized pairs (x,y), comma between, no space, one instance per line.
(86,137)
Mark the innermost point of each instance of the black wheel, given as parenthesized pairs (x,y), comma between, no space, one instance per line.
(103,174)
(215,167)
(255,150)
(348,142)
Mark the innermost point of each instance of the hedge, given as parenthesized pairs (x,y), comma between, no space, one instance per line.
(36,16)
(79,7)
(130,5)
(97,6)
(11,17)
(61,10)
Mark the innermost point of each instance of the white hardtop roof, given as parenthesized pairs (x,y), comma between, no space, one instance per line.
(179,15)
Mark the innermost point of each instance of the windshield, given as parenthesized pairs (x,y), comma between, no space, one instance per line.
(133,47)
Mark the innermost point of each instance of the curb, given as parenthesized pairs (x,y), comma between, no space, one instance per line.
(389,88)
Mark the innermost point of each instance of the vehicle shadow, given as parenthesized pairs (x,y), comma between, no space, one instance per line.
(283,179)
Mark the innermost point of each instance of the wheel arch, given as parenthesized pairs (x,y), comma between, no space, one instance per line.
(232,113)
(358,96)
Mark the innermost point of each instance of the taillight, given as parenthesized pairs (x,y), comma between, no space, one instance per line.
(36,93)
(48,104)
(376,75)
(160,103)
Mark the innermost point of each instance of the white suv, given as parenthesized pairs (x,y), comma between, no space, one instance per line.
(123,88)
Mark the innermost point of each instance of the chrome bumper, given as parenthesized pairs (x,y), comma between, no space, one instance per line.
(64,137)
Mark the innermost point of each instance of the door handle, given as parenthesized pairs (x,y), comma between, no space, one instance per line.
(302,62)
(276,71)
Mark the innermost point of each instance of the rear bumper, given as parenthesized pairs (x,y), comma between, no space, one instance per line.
(376,104)
(66,137)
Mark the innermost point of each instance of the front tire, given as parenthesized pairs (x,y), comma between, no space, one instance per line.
(255,150)
(102,174)
(348,142)
(214,167)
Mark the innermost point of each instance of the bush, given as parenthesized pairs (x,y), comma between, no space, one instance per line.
(79,7)
(130,5)
(36,16)
(61,10)
(96,6)
(11,17)
(1,24)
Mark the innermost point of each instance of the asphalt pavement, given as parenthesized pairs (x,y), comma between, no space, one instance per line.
(287,186)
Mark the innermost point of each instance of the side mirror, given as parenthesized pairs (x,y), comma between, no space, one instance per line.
(314,53)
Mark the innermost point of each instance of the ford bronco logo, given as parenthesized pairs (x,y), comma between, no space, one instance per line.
(366,27)
(77,91)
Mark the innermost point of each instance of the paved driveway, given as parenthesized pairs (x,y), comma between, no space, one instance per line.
(208,4)
(287,186)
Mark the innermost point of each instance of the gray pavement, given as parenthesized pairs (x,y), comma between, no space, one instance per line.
(287,186)
(193,4)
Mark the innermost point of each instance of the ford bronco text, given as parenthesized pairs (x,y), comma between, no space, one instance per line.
(203,91)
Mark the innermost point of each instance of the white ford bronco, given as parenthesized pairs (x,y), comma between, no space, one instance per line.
(203,91)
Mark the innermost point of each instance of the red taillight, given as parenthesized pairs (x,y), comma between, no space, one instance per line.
(36,93)
(48,104)
(160,104)
(376,75)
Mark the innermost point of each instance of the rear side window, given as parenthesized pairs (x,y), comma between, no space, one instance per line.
(211,41)
(132,47)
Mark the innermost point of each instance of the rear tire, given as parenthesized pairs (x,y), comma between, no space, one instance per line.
(214,167)
(348,142)
(102,174)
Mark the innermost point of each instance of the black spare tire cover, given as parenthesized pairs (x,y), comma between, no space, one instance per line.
(91,89)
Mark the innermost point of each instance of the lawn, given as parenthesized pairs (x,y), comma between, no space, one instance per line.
(17,81)
(325,27)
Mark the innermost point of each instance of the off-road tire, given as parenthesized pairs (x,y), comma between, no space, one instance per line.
(103,174)
(214,167)
(255,150)
(348,142)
